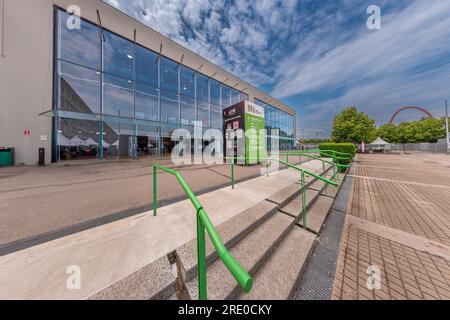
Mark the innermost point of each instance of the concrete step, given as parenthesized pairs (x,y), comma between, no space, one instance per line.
(277,278)
(251,252)
(285,195)
(317,185)
(294,207)
(154,281)
(330,191)
(231,232)
(317,213)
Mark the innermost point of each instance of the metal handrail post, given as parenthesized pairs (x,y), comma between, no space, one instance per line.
(201,260)
(303,184)
(232,173)
(155,191)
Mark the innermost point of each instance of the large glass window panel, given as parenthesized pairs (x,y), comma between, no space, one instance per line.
(235,96)
(118,97)
(147,139)
(147,102)
(266,114)
(127,141)
(119,56)
(187,84)
(203,88)
(111,135)
(169,107)
(78,139)
(187,110)
(169,75)
(269,115)
(146,67)
(215,92)
(203,113)
(260,103)
(226,96)
(81,46)
(80,89)
(216,117)
(277,118)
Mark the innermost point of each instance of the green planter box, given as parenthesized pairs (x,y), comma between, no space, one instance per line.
(6,157)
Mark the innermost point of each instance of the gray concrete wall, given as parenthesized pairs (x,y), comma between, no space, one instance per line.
(26,69)
(26,77)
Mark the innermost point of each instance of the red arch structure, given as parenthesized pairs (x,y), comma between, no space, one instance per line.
(428,113)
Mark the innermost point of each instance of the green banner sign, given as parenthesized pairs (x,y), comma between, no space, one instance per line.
(255,141)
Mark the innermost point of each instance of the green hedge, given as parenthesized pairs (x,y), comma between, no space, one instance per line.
(339,147)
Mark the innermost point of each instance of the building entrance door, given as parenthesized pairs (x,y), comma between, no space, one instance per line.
(125,146)
(143,148)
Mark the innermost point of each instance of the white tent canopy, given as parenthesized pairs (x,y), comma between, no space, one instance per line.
(380,145)
(105,144)
(91,142)
(380,142)
(64,141)
(77,141)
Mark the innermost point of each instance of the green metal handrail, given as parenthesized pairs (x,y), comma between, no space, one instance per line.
(316,158)
(203,222)
(335,153)
(287,154)
(347,157)
(303,173)
(333,163)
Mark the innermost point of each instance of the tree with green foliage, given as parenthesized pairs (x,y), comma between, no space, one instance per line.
(388,132)
(430,130)
(425,130)
(353,126)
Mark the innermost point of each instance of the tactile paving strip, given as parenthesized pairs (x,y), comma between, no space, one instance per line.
(317,280)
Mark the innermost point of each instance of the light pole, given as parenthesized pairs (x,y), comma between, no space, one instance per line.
(446,126)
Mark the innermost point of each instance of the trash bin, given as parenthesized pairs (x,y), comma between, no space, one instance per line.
(41,157)
(6,157)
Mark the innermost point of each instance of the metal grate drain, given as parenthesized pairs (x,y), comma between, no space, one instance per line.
(317,280)
(23,244)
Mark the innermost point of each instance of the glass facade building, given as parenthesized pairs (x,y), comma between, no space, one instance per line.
(284,122)
(114,98)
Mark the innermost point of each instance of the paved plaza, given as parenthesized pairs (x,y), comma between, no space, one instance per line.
(397,223)
(398,220)
(35,201)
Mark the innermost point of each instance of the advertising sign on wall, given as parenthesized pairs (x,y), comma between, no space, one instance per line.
(249,118)
(254,126)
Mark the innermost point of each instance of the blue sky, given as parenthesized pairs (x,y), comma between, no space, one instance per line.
(319,56)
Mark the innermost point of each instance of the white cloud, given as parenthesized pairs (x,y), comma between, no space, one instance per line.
(235,35)
(303,49)
(382,97)
(408,39)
